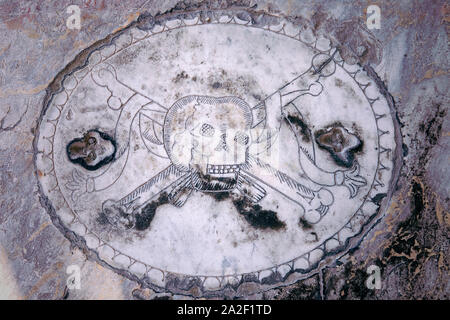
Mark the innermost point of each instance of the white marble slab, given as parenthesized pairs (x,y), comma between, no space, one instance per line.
(213,151)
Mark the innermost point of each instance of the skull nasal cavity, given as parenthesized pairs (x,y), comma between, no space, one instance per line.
(222,143)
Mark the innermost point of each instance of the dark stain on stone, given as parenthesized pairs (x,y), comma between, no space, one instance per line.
(112,212)
(254,214)
(65,295)
(318,18)
(126,57)
(85,150)
(404,150)
(145,217)
(417,207)
(220,196)
(338,83)
(181,76)
(432,127)
(257,97)
(305,225)
(341,144)
(378,198)
(250,277)
(316,237)
(300,127)
(102,219)
(233,84)
(257,216)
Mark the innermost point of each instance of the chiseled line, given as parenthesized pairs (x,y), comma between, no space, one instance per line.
(256,178)
(145,186)
(284,178)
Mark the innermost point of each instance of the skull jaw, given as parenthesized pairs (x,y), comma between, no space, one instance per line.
(215,178)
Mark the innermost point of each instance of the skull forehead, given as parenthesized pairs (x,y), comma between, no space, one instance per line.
(191,111)
(226,116)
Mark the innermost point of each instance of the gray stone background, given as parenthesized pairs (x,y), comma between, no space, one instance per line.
(410,242)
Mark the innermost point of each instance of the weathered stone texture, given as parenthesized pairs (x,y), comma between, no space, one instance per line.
(410,242)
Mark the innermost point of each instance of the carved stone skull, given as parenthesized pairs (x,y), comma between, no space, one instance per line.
(210,137)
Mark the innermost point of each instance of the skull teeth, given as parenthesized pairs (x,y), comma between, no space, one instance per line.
(226,168)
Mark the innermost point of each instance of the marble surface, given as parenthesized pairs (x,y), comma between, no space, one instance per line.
(215,150)
(54,220)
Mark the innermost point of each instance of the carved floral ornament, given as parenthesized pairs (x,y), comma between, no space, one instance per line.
(214,155)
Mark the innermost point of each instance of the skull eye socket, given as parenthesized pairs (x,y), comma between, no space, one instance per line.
(207,130)
(241,138)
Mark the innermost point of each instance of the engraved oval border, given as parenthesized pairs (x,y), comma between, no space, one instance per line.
(160,280)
